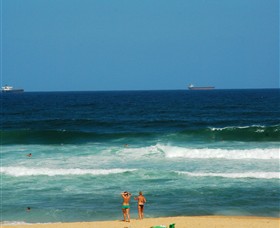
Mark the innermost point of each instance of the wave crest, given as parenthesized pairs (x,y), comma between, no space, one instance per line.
(258,175)
(23,171)
(205,153)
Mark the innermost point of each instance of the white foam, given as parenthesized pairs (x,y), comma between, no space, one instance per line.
(5,223)
(23,171)
(258,175)
(235,127)
(206,153)
(139,152)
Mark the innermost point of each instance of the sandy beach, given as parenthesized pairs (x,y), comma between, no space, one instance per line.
(180,222)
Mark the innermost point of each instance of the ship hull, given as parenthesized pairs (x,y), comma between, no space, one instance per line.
(202,88)
(13,91)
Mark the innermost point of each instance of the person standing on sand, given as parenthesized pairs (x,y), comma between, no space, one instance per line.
(125,206)
(141,201)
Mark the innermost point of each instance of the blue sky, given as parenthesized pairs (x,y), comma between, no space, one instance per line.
(75,45)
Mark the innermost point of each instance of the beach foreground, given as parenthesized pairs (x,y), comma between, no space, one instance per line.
(180,222)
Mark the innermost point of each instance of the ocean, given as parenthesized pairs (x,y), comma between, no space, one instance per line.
(190,152)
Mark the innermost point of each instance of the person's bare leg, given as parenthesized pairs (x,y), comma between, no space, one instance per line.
(127,214)
(139,212)
(142,212)
(124,215)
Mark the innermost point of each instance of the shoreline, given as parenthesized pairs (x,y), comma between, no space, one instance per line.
(179,221)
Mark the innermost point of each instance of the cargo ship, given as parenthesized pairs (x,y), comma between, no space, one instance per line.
(10,89)
(192,87)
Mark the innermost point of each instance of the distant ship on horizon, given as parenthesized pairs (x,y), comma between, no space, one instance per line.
(192,87)
(10,89)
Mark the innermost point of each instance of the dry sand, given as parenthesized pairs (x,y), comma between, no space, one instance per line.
(180,222)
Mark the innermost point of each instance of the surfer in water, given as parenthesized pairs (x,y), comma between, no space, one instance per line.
(141,201)
(125,206)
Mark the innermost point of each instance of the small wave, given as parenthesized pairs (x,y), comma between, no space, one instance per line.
(257,175)
(205,153)
(13,223)
(246,133)
(19,223)
(236,127)
(23,171)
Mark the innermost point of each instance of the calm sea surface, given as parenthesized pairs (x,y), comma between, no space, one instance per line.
(190,152)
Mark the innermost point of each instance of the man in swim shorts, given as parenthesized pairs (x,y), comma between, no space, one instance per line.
(141,201)
(125,206)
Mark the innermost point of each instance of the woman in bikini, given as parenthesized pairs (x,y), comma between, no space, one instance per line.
(125,206)
(141,201)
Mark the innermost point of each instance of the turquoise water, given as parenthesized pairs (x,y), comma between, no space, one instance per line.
(190,152)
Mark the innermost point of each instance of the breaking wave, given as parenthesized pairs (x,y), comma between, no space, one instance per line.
(257,175)
(23,171)
(206,153)
(57,136)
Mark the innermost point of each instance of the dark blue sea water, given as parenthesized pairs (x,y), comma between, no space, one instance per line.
(190,152)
